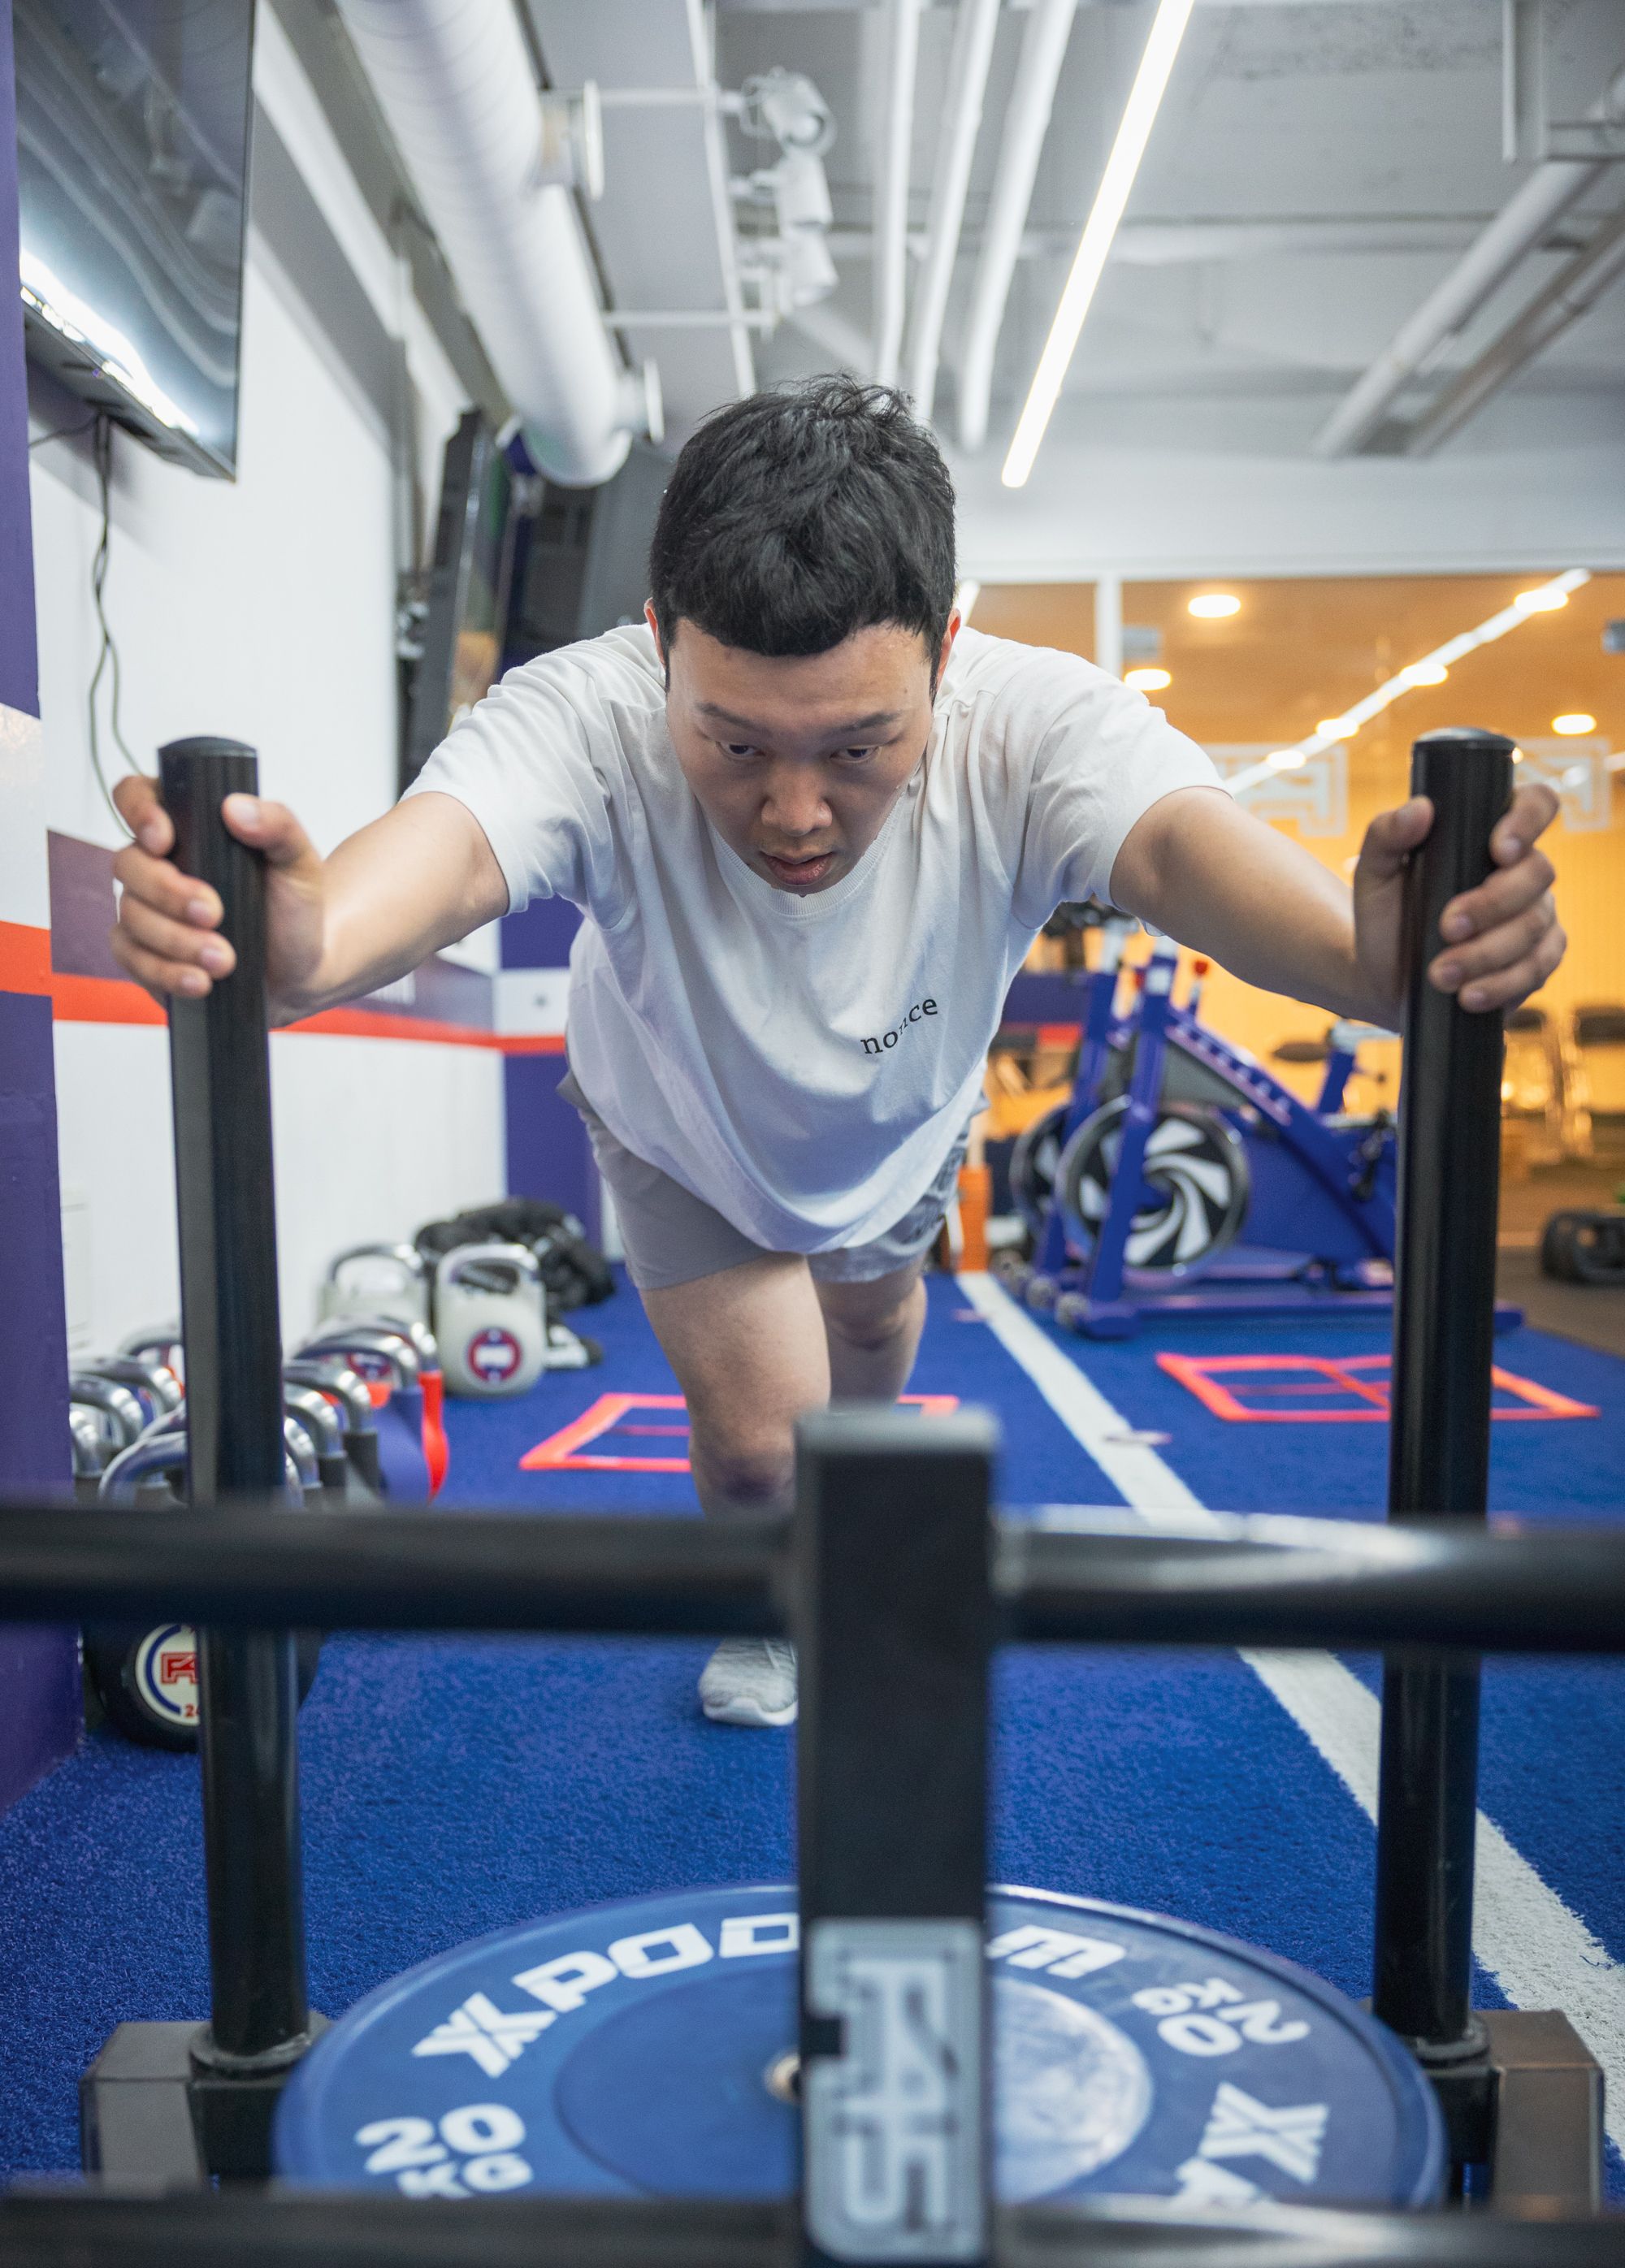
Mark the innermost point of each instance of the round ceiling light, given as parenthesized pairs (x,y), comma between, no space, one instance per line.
(1213,606)
(1148,680)
(1572,723)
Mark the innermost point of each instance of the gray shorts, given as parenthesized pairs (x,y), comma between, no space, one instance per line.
(670,1236)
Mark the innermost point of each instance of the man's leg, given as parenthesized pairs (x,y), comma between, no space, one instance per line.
(749,1347)
(873,1331)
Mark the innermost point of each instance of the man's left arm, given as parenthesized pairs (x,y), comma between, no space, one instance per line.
(1198,866)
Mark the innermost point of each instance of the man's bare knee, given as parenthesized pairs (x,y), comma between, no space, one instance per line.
(869,1333)
(868,1323)
(753,1472)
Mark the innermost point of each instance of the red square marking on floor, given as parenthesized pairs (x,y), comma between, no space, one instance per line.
(1245,1390)
(567,1451)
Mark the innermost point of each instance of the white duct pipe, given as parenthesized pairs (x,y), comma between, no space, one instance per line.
(891,213)
(1169,243)
(1520,225)
(1026,121)
(1565,300)
(454,81)
(972,55)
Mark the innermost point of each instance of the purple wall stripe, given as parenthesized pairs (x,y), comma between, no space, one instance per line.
(39,1707)
(541,936)
(82,906)
(34,1324)
(447,993)
(549,1153)
(41,1704)
(19,675)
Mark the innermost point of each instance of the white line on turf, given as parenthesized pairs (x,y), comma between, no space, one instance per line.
(1538,1949)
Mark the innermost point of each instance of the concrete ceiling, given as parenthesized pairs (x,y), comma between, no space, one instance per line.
(1318,168)
(1385,112)
(1376,127)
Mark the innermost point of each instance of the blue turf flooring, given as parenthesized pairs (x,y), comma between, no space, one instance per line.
(455,1785)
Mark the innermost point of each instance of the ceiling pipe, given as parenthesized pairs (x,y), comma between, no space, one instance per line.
(1175,243)
(972,55)
(892,198)
(1026,121)
(454,82)
(861,7)
(1517,229)
(1564,301)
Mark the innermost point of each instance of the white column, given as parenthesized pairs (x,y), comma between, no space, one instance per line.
(1109,623)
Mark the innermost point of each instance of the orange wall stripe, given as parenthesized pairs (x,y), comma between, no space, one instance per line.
(26,967)
(25,958)
(102,1000)
(378,1024)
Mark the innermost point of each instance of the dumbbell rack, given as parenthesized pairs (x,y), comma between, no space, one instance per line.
(895,1586)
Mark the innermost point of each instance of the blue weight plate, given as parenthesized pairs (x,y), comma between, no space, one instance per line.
(644,2048)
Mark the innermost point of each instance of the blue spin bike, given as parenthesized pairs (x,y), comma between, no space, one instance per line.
(1182,1179)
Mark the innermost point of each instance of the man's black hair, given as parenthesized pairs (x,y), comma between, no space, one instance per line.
(803,514)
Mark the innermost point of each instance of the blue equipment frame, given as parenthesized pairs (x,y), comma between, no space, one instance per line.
(1319,1221)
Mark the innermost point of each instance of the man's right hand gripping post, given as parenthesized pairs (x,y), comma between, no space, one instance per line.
(168,930)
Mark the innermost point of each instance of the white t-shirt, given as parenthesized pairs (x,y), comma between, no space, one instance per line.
(804,1064)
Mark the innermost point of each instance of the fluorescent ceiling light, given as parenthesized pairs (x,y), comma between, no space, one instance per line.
(1213,606)
(1574,722)
(1139,116)
(1545,599)
(1148,680)
(964,598)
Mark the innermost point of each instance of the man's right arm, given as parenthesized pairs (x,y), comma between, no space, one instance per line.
(396,891)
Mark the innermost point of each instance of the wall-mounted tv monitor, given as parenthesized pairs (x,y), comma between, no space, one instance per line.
(132,162)
(466,602)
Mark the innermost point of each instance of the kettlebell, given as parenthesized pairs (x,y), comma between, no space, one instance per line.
(378,1279)
(490,1320)
(385,1355)
(145,1682)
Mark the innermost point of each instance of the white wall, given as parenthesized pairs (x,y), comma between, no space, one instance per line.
(373,1138)
(263,609)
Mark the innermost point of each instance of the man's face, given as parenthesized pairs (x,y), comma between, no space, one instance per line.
(797,760)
